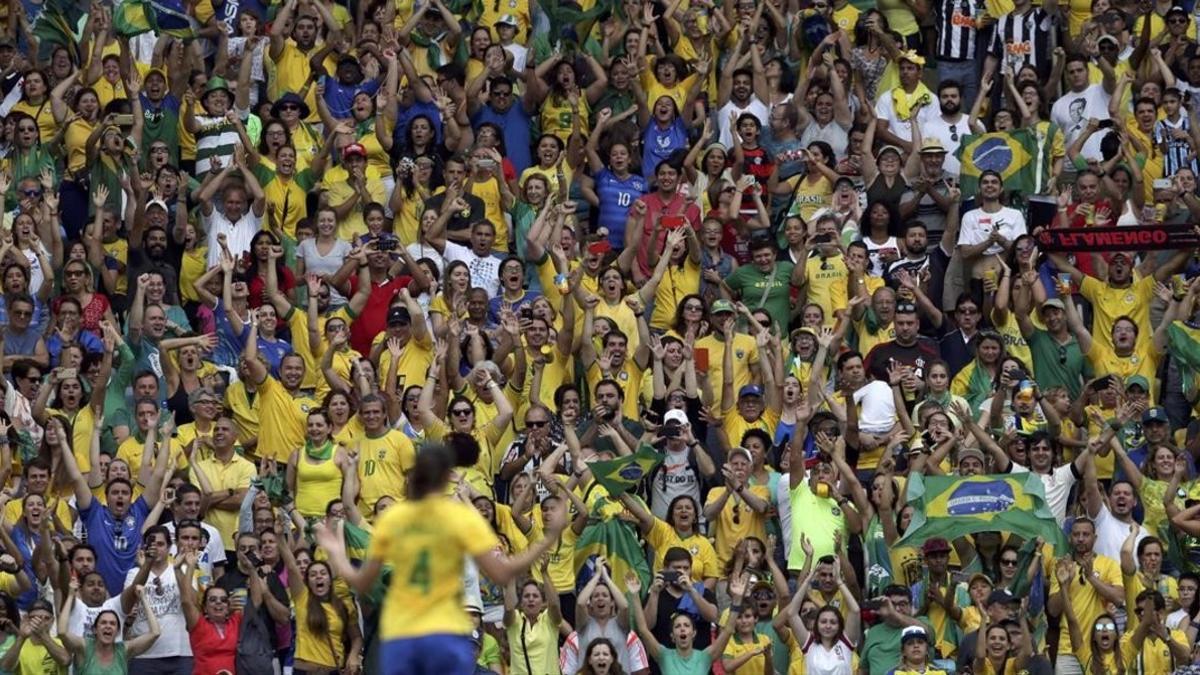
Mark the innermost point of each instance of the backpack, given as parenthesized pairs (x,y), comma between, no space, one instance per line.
(255,654)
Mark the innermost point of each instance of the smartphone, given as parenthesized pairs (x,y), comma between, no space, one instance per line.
(525,313)
(672,222)
(700,355)
(487,164)
(68,373)
(671,576)
(125,120)
(1162,184)
(387,244)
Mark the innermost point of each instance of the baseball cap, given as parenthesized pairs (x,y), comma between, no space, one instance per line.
(743,452)
(804,330)
(159,203)
(6,41)
(1002,595)
(913,633)
(1107,38)
(720,306)
(677,416)
(507,19)
(750,390)
(1138,381)
(889,148)
(1176,9)
(1156,414)
(931,146)
(354,149)
(1053,303)
(399,316)
(935,545)
(979,576)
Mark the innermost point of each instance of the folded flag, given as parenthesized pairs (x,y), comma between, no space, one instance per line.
(1183,344)
(952,506)
(620,475)
(614,539)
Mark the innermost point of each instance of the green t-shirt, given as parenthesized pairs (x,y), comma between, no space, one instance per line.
(671,663)
(881,650)
(771,291)
(1056,365)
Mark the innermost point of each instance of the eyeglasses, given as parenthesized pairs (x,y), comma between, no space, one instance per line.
(1179,19)
(461,412)
(218,599)
(968,310)
(159,149)
(289,106)
(1008,562)
(74,273)
(536,424)
(21,312)
(32,193)
(1062,355)
(953,133)
(728,189)
(1108,625)
(694,307)
(737,514)
(506,92)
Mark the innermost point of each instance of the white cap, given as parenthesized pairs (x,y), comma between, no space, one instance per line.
(676,415)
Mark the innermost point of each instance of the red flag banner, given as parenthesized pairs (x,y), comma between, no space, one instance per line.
(1107,239)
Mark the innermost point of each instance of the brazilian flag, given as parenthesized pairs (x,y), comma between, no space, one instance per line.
(619,475)
(1016,155)
(952,506)
(1183,343)
(614,539)
(165,17)
(58,25)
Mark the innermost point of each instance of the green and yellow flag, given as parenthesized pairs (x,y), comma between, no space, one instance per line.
(167,17)
(620,475)
(953,506)
(1020,159)
(614,539)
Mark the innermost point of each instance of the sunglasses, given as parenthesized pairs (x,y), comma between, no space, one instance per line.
(75,273)
(461,412)
(1108,625)
(1009,562)
(536,424)
(32,193)
(289,106)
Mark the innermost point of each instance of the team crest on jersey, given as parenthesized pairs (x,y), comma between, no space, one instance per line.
(1129,298)
(382,454)
(130,521)
(740,353)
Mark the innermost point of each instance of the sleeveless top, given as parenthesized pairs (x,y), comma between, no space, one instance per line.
(316,485)
(90,663)
(878,191)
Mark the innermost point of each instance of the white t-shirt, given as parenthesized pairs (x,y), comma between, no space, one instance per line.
(977,226)
(213,554)
(1058,484)
(1073,109)
(237,235)
(878,414)
(753,106)
(485,271)
(885,109)
(1111,534)
(83,617)
(162,593)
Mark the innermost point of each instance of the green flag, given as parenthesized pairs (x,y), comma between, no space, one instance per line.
(1183,344)
(619,475)
(953,506)
(1018,156)
(167,17)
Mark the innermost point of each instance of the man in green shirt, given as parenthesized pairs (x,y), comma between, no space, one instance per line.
(765,283)
(881,649)
(1057,358)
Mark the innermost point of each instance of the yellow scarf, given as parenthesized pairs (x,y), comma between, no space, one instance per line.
(904,102)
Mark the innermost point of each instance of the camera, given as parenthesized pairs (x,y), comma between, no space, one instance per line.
(525,313)
(387,244)
(671,577)
(672,431)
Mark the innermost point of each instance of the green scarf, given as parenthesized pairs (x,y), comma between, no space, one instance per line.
(433,48)
(320,454)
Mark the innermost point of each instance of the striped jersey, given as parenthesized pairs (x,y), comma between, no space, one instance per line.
(958,28)
(216,137)
(1024,38)
(1175,150)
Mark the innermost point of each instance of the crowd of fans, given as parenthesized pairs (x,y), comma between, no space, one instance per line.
(597,337)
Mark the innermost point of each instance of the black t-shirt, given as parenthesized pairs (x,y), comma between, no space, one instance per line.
(918,355)
(458,222)
(233,580)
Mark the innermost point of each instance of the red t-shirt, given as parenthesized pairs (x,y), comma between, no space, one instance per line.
(258,284)
(373,319)
(213,651)
(655,209)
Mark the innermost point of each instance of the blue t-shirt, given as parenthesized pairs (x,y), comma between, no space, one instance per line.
(615,196)
(340,97)
(514,123)
(116,541)
(229,348)
(405,116)
(498,303)
(658,144)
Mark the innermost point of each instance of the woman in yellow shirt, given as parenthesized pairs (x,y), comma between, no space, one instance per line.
(1101,653)
(35,102)
(407,201)
(424,626)
(561,100)
(324,621)
(992,650)
(315,472)
(450,303)
(680,530)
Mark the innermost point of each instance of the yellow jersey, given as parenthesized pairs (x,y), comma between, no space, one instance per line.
(282,419)
(383,463)
(425,595)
